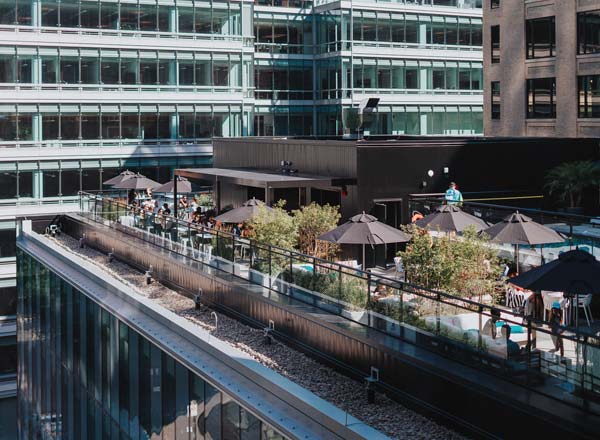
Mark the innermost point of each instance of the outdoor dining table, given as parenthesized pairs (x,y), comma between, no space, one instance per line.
(550,298)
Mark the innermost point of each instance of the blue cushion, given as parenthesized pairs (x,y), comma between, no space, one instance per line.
(513,328)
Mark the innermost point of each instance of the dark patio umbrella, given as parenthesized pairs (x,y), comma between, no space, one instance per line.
(450,218)
(365,229)
(137,182)
(244,212)
(183,186)
(124,175)
(575,272)
(518,229)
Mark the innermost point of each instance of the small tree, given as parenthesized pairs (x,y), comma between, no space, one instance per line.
(570,179)
(312,221)
(274,227)
(463,266)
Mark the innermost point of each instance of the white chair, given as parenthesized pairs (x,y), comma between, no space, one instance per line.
(583,302)
(399,266)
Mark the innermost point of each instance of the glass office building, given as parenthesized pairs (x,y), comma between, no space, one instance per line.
(84,374)
(315,63)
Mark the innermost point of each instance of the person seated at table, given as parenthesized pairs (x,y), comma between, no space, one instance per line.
(166,209)
(237,230)
(512,348)
(489,327)
(183,203)
(556,328)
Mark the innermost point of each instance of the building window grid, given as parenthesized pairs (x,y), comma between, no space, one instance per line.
(81,396)
(221,18)
(381,28)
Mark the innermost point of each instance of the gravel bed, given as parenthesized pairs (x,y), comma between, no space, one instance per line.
(385,415)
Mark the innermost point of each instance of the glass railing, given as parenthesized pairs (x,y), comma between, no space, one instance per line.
(470,330)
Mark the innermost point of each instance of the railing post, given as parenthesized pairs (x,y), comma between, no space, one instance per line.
(291,268)
(340,281)
(270,250)
(437,314)
(368,299)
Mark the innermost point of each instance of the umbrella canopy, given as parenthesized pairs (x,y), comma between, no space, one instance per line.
(183,186)
(124,175)
(520,229)
(575,272)
(137,182)
(365,229)
(450,218)
(244,212)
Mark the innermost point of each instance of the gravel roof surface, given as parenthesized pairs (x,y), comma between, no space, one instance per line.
(385,415)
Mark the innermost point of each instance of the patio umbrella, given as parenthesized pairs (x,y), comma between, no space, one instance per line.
(183,186)
(365,229)
(124,175)
(137,182)
(575,272)
(244,212)
(450,218)
(518,229)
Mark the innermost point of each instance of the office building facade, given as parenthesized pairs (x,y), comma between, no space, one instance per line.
(316,63)
(542,68)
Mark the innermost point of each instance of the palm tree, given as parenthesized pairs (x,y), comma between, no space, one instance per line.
(569,179)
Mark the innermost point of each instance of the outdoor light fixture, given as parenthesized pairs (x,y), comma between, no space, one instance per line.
(197,299)
(446,171)
(430,173)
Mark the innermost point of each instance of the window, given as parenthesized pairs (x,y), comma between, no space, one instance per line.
(495,99)
(541,98)
(540,36)
(495,4)
(495,33)
(8,243)
(589,96)
(588,32)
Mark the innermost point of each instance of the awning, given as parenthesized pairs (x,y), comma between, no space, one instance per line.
(263,178)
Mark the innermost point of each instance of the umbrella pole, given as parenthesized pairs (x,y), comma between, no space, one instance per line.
(517,257)
(363,265)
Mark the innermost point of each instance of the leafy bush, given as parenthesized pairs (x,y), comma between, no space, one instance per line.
(463,266)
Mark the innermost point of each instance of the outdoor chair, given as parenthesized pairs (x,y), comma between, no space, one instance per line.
(583,302)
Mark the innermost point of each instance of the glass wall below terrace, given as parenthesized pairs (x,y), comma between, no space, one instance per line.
(83,374)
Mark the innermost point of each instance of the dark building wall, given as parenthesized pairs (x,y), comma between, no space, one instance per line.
(477,165)
(325,158)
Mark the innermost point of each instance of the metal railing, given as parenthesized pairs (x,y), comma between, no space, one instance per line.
(464,329)
(579,230)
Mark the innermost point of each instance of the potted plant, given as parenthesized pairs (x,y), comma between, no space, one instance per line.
(568,181)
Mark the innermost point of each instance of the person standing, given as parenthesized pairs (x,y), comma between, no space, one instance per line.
(453,195)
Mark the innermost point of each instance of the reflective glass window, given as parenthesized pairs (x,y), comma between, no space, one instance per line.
(25,126)
(8,190)
(49,13)
(109,71)
(7,69)
(70,181)
(148,73)
(90,126)
(130,125)
(69,70)
(109,15)
(110,126)
(51,180)
(7,12)
(89,14)
(69,126)
(541,98)
(90,70)
(50,126)
(50,70)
